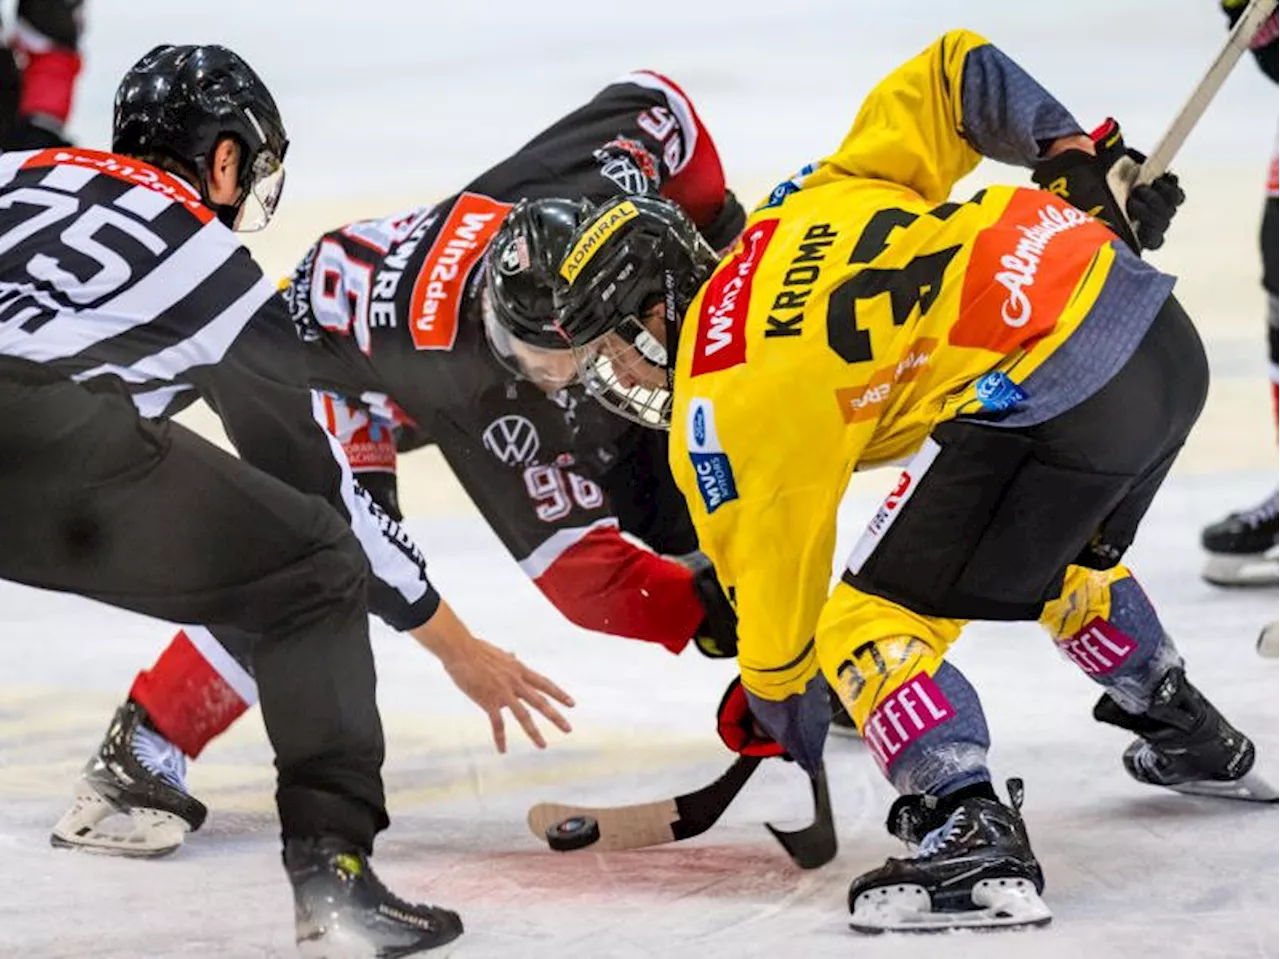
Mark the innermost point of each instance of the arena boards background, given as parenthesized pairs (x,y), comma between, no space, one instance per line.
(394,103)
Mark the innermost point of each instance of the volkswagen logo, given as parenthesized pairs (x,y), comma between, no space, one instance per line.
(512,439)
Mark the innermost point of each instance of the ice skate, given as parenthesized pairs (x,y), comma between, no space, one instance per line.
(343,911)
(139,778)
(973,870)
(1186,745)
(1242,547)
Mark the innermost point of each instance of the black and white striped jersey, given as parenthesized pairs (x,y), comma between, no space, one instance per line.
(112,268)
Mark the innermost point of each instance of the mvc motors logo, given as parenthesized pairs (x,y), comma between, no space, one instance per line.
(513,439)
(710,462)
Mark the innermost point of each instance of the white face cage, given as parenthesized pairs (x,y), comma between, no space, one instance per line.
(630,378)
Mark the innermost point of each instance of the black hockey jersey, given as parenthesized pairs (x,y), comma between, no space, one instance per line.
(390,312)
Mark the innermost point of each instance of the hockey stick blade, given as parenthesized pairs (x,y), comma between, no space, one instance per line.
(651,823)
(815,844)
(1236,44)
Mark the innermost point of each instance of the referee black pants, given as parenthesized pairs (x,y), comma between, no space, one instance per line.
(97,501)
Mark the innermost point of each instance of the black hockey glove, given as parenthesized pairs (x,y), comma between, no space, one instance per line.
(1102,186)
(717,635)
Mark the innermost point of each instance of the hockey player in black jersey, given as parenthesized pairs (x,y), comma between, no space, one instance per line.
(123,297)
(427,327)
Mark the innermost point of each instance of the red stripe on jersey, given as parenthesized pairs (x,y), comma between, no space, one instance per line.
(126,169)
(605,583)
(187,699)
(697,182)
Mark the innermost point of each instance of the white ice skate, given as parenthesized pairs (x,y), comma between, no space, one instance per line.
(132,798)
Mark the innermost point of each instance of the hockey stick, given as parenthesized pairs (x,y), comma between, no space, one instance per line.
(655,823)
(1237,43)
(815,844)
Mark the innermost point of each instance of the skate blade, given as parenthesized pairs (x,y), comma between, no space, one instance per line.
(1001,904)
(154,832)
(339,943)
(1255,569)
(1250,787)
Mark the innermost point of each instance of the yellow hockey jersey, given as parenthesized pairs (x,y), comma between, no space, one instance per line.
(859,309)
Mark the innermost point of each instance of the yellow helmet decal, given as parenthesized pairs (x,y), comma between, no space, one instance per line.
(594,236)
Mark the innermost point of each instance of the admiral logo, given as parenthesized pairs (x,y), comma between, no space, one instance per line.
(513,439)
(1099,648)
(437,292)
(595,235)
(1023,271)
(910,711)
(721,338)
(908,483)
(710,463)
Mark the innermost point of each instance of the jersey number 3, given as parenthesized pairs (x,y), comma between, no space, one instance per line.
(916,284)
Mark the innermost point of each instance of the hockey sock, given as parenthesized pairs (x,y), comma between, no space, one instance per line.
(1104,623)
(929,735)
(194,691)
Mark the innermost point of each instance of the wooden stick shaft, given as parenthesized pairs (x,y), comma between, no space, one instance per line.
(1191,112)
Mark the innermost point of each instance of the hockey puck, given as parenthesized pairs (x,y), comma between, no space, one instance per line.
(576,832)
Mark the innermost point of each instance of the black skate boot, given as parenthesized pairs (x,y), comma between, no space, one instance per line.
(1186,745)
(139,773)
(342,909)
(1242,547)
(972,868)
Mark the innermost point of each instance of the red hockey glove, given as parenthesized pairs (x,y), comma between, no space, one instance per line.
(739,729)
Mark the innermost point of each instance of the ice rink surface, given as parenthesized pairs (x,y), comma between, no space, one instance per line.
(390,103)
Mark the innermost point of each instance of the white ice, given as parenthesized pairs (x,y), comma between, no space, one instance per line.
(397,102)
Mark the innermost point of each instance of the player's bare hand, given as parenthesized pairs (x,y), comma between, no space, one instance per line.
(495,680)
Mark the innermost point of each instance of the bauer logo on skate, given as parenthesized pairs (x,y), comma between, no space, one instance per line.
(910,711)
(710,463)
(437,292)
(1023,270)
(721,341)
(1099,648)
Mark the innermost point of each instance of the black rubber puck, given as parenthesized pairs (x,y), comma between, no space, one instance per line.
(576,832)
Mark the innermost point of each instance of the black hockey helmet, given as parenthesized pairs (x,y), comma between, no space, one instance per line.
(634,253)
(178,101)
(518,301)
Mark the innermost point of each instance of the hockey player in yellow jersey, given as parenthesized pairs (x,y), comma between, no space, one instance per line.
(1011,348)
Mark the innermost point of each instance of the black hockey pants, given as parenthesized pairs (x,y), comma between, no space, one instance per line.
(96,500)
